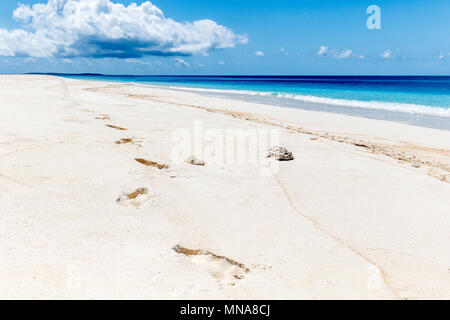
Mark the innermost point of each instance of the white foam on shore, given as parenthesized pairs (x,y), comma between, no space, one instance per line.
(375,105)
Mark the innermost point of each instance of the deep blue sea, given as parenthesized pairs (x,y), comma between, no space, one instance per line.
(419,100)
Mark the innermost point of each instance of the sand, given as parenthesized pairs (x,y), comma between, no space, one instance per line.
(362,212)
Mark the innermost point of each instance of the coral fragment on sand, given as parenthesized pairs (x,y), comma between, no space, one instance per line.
(280,154)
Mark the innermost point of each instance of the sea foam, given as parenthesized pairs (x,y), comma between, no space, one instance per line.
(376,105)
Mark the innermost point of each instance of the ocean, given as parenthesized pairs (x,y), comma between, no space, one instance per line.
(416,100)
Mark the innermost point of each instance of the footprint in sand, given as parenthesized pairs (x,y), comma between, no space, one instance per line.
(195,162)
(125,141)
(150,163)
(103,117)
(223,269)
(115,127)
(138,198)
(131,141)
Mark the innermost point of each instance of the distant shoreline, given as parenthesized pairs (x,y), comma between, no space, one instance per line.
(228,75)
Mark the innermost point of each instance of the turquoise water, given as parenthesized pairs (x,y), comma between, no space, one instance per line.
(387,97)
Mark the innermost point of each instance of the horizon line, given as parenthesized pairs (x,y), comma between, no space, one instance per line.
(217,75)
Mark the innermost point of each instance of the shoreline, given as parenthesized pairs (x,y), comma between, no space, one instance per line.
(414,119)
(360,213)
(377,110)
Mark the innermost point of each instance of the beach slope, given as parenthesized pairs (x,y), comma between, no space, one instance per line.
(94,206)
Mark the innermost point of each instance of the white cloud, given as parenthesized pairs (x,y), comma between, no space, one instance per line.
(386,54)
(344,54)
(138,61)
(322,51)
(182,62)
(101,28)
(221,62)
(259,54)
(335,53)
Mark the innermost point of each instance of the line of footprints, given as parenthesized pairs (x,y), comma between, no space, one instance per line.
(223,269)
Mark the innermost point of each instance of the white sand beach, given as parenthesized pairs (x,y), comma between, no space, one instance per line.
(362,212)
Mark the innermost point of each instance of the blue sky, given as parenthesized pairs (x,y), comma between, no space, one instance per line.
(239,37)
